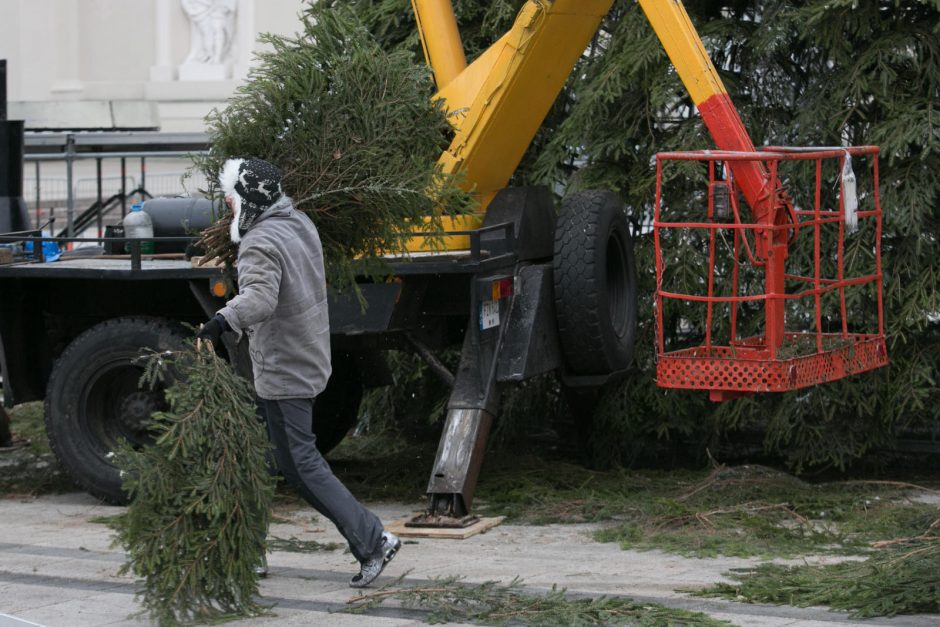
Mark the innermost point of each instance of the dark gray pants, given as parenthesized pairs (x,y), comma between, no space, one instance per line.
(290,427)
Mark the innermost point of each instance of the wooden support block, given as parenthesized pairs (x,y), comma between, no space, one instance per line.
(6,256)
(484,524)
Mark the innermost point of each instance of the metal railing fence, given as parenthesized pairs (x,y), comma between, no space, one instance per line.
(90,201)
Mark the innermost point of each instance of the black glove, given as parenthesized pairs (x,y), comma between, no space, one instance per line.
(213,329)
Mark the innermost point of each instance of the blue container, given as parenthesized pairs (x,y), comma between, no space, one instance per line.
(50,250)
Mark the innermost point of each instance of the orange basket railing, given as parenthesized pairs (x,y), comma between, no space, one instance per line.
(797,310)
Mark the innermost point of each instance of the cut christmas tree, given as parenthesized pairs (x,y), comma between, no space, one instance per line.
(200,495)
(355,133)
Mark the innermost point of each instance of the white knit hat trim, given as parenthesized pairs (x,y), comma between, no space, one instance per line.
(228,177)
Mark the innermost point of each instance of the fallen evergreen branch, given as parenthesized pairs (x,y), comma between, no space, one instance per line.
(901,578)
(492,603)
(201,494)
(757,511)
(705,518)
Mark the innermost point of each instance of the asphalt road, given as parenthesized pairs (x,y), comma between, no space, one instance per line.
(58,568)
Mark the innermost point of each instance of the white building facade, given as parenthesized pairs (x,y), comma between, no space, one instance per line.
(160,64)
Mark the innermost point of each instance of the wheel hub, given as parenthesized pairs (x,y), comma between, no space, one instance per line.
(136,409)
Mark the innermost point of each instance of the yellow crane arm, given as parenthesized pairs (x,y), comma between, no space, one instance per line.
(497,103)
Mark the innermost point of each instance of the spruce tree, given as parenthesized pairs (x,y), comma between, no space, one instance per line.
(200,495)
(355,132)
(813,73)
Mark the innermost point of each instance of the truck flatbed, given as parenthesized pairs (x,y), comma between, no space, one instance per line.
(125,266)
(98,268)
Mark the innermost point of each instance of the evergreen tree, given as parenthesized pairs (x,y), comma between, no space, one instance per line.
(200,496)
(355,133)
(810,73)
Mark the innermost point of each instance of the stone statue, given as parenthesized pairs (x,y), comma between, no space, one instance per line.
(212,27)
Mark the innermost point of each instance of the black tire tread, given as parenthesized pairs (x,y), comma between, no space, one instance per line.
(60,370)
(579,303)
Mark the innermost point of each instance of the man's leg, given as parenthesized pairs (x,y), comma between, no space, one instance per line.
(290,425)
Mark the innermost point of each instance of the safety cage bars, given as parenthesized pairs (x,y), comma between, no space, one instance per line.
(806,330)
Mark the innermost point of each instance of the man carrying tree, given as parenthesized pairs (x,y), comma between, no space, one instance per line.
(282,306)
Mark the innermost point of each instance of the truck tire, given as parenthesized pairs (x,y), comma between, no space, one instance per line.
(337,407)
(595,283)
(93,399)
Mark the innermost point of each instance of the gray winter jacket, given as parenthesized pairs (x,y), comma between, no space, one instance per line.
(282,305)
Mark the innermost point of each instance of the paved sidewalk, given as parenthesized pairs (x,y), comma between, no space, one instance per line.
(57,568)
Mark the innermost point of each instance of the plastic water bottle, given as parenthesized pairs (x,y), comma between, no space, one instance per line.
(137,224)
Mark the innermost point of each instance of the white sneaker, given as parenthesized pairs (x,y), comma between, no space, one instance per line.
(373,567)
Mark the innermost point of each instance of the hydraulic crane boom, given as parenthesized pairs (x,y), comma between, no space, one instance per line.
(497,103)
